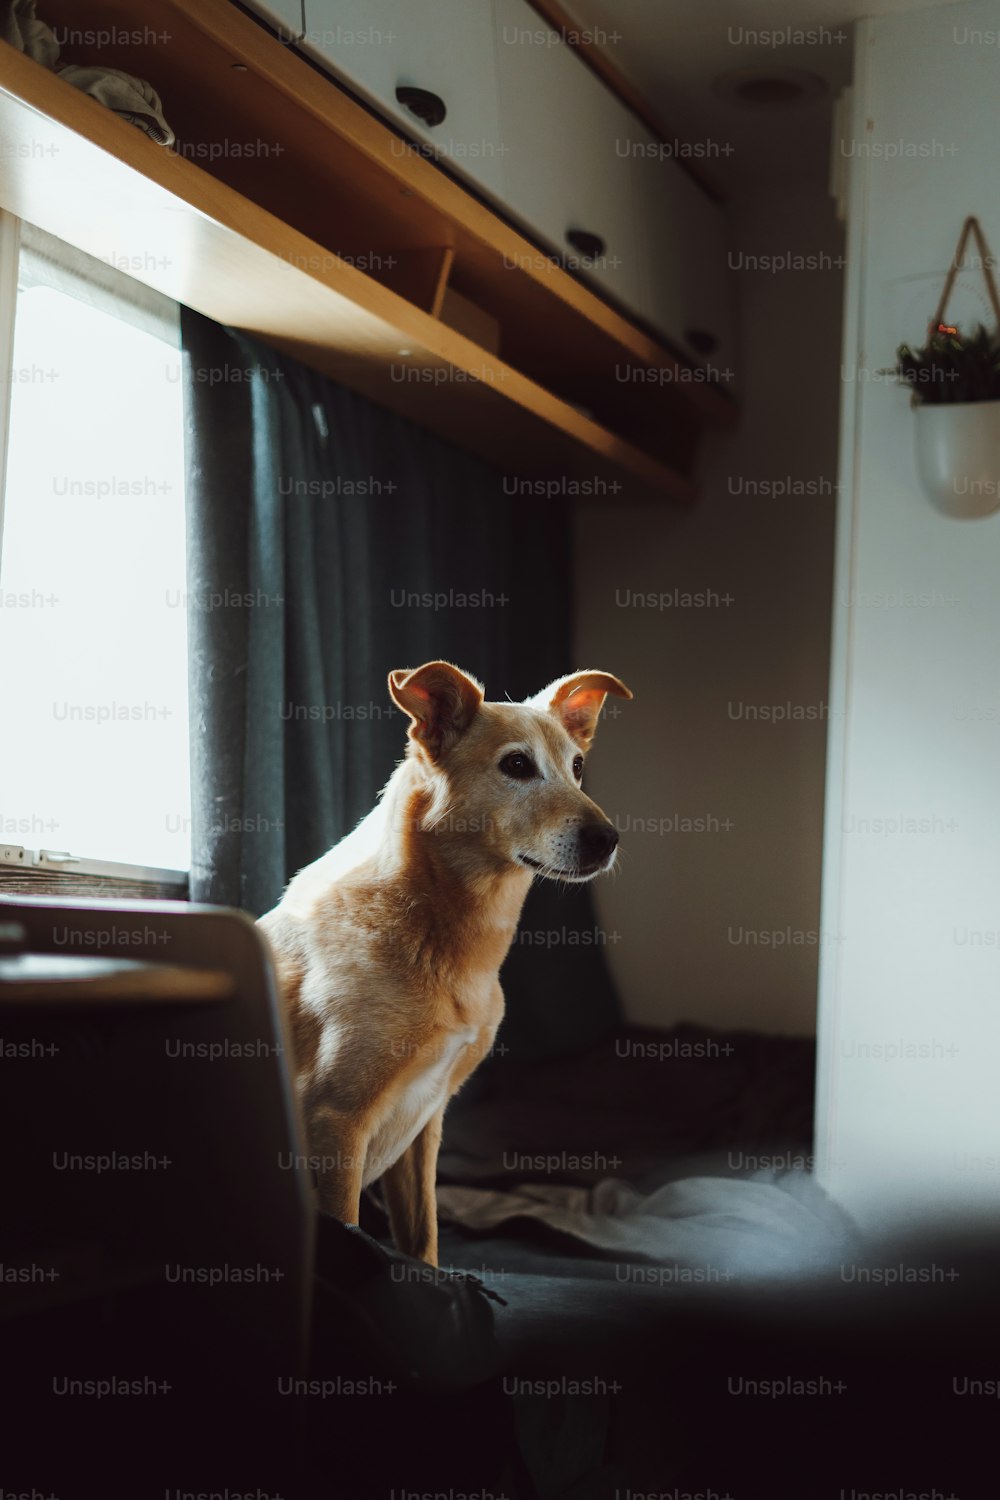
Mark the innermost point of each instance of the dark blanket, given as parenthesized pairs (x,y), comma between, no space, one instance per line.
(645,1106)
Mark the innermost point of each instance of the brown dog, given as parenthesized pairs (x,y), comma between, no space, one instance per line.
(388,948)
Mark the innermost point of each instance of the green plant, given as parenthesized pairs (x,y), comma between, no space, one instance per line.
(951,367)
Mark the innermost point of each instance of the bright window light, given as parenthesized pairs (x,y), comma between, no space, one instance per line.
(93,639)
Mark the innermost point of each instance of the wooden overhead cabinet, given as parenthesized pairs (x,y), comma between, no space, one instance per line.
(567,181)
(520,115)
(687,290)
(291,209)
(430,68)
(286,16)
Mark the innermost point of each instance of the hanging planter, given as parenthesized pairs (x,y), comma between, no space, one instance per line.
(958,456)
(954,380)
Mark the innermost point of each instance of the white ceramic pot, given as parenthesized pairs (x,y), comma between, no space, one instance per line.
(958,457)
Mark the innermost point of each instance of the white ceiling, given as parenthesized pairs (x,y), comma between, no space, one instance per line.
(673,50)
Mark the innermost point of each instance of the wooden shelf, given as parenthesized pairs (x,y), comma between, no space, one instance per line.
(273,241)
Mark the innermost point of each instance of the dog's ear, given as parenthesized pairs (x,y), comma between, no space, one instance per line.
(577,701)
(441,702)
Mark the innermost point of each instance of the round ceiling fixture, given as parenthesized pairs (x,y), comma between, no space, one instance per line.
(778,88)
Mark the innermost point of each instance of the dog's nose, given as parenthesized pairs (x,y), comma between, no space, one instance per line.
(598,841)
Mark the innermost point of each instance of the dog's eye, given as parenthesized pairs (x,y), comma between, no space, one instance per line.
(521,767)
(578,766)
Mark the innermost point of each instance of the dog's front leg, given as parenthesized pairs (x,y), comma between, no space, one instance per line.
(338,1146)
(409,1187)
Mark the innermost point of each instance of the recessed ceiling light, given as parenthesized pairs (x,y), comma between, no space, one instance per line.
(777,88)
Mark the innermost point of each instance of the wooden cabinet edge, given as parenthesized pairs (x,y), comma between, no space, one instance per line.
(383,318)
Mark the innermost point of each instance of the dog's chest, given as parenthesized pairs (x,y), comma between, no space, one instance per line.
(423,1091)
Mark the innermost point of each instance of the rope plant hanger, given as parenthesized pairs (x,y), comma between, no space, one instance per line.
(971,227)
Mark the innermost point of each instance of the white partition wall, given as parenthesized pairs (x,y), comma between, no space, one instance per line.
(908,1114)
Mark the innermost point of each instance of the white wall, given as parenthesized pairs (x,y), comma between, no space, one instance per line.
(909,1074)
(683,901)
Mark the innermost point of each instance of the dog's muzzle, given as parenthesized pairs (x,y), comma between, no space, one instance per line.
(596,844)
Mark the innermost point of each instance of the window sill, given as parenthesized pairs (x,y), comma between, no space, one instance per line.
(23,872)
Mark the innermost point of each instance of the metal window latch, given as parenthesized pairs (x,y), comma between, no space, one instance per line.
(16,854)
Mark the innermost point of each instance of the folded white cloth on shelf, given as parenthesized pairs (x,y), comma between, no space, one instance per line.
(22,29)
(132,98)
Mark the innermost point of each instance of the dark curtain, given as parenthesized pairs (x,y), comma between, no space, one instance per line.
(318,524)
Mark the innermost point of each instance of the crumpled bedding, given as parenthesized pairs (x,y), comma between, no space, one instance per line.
(714,1229)
(21,28)
(132,98)
(684,1150)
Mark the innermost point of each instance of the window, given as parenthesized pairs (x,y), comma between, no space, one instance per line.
(93,646)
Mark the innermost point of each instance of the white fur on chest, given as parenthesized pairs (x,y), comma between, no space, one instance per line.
(408,1113)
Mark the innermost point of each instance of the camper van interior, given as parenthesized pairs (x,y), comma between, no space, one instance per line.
(499,813)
